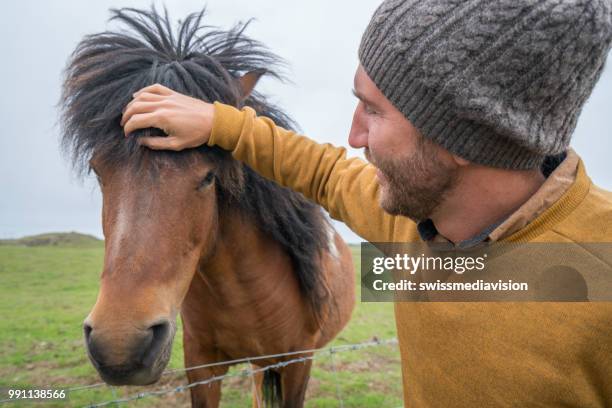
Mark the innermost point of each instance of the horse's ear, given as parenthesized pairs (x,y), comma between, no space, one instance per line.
(248,81)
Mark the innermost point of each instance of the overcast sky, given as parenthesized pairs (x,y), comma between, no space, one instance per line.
(319,39)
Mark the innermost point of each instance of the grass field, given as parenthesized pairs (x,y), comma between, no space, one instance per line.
(49,285)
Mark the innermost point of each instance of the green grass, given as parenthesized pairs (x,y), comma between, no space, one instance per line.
(47,290)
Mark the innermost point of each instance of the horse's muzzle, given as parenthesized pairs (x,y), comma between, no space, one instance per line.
(130,358)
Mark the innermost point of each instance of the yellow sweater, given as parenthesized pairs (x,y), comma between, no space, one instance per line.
(456,354)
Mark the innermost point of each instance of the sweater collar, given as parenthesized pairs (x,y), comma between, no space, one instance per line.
(565,187)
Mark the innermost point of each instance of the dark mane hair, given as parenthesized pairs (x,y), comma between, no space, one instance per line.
(105,70)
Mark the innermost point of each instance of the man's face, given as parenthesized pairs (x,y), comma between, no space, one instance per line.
(414,173)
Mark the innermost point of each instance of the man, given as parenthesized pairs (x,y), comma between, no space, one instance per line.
(466,109)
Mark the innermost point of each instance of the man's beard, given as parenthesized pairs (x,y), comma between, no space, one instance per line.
(414,186)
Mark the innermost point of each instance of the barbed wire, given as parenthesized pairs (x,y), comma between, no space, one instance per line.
(250,371)
(247,360)
(243,373)
(181,388)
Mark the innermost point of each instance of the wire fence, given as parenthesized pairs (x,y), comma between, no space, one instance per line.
(300,357)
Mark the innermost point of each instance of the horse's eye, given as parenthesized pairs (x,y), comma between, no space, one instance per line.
(207,180)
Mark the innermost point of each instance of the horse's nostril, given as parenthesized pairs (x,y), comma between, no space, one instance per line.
(87,331)
(160,329)
(160,333)
(95,352)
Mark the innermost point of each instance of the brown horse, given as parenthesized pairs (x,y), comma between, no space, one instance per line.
(253,268)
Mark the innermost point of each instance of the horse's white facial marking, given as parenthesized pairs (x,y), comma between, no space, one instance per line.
(120,230)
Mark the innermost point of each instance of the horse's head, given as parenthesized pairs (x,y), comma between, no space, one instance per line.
(158,220)
(160,212)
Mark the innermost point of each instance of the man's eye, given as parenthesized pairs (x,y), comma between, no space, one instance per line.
(370,111)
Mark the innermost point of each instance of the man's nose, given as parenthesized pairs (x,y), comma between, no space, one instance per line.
(358,136)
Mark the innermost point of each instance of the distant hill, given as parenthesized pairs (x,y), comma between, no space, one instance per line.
(58,239)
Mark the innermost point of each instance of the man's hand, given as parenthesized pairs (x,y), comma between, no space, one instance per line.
(187,121)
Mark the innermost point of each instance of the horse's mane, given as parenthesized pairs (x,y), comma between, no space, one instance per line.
(108,67)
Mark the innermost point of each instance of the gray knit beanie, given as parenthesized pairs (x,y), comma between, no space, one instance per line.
(500,83)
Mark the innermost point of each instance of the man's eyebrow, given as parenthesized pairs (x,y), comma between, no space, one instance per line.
(357,94)
(362,98)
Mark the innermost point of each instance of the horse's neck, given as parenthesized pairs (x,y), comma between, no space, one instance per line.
(245,294)
(246,263)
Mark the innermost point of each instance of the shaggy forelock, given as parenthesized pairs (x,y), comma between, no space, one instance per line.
(106,68)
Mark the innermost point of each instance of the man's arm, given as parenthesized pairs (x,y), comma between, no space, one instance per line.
(346,188)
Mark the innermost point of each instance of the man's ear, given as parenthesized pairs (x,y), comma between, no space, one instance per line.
(248,81)
(460,161)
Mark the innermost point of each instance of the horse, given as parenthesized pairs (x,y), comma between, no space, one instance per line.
(253,268)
